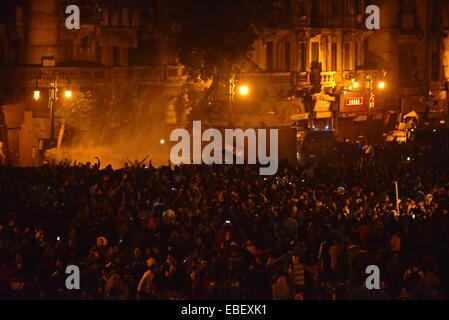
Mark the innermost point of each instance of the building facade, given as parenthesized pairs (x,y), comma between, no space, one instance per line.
(319,44)
(122,50)
(325,47)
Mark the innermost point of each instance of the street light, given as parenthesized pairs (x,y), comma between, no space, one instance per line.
(356,85)
(244,90)
(36,95)
(36,92)
(52,77)
(381,85)
(372,99)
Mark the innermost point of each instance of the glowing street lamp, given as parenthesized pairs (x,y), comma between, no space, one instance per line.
(52,77)
(162,141)
(244,90)
(36,95)
(356,85)
(381,85)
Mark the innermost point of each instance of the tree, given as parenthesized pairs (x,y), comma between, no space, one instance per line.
(214,39)
(76,113)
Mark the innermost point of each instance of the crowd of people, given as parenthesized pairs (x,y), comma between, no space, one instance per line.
(225,232)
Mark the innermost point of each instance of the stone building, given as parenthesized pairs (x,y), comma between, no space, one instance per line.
(319,45)
(409,46)
(326,42)
(121,46)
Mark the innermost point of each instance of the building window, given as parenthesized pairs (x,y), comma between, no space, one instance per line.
(301,8)
(349,9)
(335,7)
(435,66)
(408,6)
(171,53)
(316,17)
(405,66)
(84,43)
(316,7)
(85,49)
(334,57)
(115,16)
(172,9)
(408,10)
(148,53)
(347,55)
(126,17)
(69,48)
(287,6)
(408,21)
(116,56)
(315,51)
(357,6)
(99,54)
(287,56)
(270,56)
(303,57)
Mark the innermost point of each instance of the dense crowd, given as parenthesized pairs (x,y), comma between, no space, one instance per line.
(225,232)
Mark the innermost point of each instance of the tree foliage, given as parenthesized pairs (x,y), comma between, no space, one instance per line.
(78,111)
(214,39)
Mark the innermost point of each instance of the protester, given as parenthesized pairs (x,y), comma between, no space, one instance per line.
(225,232)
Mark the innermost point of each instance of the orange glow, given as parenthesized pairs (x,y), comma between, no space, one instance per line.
(36,95)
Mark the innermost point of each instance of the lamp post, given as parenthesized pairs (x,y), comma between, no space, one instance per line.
(243,91)
(369,85)
(231,96)
(370,105)
(52,78)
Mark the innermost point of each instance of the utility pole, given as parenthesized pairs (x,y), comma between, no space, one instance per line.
(51,77)
(52,106)
(370,106)
(231,96)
